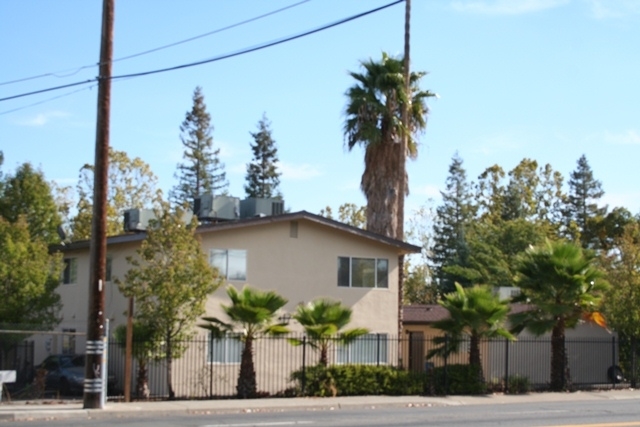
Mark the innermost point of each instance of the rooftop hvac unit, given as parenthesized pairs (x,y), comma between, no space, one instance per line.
(209,207)
(137,219)
(251,207)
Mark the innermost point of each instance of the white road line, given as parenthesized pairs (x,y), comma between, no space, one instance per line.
(280,423)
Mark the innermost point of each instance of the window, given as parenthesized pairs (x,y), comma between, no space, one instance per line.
(108,269)
(231,263)
(225,350)
(68,341)
(363,272)
(368,349)
(70,272)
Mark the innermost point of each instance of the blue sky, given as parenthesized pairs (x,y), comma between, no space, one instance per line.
(544,79)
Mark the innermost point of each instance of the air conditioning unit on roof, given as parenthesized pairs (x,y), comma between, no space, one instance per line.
(251,207)
(208,207)
(137,219)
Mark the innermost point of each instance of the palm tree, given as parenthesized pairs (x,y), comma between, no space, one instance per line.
(323,321)
(252,311)
(563,286)
(475,312)
(374,119)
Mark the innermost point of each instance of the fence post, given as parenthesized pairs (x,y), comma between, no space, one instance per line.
(304,364)
(377,349)
(210,363)
(613,361)
(446,357)
(633,362)
(506,365)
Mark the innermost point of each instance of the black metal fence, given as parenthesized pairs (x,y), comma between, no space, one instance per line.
(209,368)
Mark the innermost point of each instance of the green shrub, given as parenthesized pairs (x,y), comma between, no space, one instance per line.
(518,385)
(358,380)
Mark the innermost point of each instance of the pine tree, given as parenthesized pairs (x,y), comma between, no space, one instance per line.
(581,211)
(202,171)
(452,219)
(262,176)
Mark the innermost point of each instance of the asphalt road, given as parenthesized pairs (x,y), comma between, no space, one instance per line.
(605,413)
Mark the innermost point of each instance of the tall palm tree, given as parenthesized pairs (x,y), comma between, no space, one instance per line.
(374,120)
(475,312)
(323,320)
(253,312)
(562,284)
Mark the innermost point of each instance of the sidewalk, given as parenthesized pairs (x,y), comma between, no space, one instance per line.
(51,409)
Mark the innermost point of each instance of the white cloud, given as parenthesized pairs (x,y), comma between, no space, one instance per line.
(43,118)
(428,190)
(629,137)
(614,9)
(506,7)
(298,172)
(499,143)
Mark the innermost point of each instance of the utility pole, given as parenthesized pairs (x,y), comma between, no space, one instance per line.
(93,383)
(402,167)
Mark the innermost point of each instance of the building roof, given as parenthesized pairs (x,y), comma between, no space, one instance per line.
(420,314)
(402,247)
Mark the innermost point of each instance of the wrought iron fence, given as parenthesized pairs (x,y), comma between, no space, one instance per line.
(209,368)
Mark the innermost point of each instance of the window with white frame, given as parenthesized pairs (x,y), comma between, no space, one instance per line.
(70,272)
(370,349)
(231,263)
(363,272)
(225,350)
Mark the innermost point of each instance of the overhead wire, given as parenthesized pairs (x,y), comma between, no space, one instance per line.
(217,58)
(73,71)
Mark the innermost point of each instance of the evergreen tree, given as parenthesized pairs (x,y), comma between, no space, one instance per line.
(262,176)
(581,211)
(452,220)
(202,171)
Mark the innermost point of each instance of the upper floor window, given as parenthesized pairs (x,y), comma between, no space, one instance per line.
(70,272)
(363,272)
(231,263)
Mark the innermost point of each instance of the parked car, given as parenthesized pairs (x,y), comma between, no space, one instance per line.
(65,373)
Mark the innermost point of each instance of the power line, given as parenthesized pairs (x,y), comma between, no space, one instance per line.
(259,47)
(217,58)
(74,71)
(46,100)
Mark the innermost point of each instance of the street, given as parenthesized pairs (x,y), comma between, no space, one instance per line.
(605,413)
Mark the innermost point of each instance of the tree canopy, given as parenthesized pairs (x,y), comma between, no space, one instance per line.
(263,177)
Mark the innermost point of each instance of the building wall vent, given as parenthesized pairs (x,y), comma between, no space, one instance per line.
(137,219)
(208,207)
(252,207)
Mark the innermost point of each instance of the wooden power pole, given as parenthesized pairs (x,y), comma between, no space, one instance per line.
(93,383)
(402,166)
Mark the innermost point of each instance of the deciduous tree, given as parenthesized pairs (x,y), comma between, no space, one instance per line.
(170,279)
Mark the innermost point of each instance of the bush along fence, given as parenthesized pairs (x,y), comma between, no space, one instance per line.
(208,368)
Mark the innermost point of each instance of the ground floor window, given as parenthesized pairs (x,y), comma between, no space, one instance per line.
(225,350)
(367,349)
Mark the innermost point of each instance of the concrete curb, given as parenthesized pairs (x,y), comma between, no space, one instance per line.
(50,411)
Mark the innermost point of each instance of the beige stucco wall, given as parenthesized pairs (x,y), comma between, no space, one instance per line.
(305,267)
(299,268)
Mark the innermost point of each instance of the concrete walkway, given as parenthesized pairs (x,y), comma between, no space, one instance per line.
(53,409)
